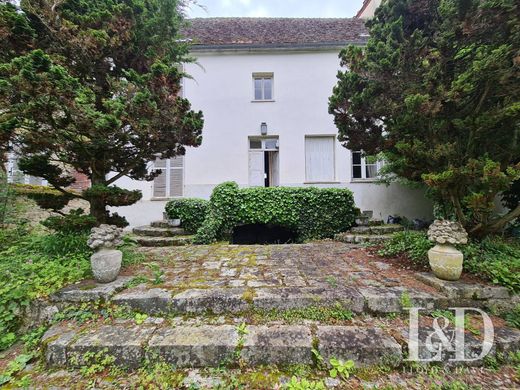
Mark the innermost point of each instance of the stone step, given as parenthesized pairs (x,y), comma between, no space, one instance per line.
(161,224)
(377,230)
(215,345)
(150,231)
(350,238)
(163,241)
(161,301)
(189,345)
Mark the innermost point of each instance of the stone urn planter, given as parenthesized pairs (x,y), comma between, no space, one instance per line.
(445,259)
(106,262)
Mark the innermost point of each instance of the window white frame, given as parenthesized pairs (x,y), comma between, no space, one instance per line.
(14,175)
(168,166)
(265,147)
(364,167)
(262,77)
(334,173)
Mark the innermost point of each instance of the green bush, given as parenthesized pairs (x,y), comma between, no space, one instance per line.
(312,213)
(34,266)
(74,222)
(415,245)
(190,211)
(112,195)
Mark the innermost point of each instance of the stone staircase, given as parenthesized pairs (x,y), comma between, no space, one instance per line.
(161,234)
(375,233)
(217,327)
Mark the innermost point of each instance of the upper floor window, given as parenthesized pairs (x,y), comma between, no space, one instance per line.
(365,167)
(263,86)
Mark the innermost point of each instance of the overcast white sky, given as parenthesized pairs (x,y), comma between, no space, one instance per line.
(277,8)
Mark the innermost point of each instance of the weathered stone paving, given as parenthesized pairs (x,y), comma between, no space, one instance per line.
(234,279)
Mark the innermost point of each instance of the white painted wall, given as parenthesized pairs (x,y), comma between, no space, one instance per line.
(222,88)
(370,10)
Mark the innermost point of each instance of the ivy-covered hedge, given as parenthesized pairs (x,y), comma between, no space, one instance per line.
(191,211)
(312,213)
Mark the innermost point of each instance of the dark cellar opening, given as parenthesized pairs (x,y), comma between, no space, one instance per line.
(263,234)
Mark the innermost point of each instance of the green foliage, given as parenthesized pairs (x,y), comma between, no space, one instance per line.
(312,213)
(34,266)
(74,222)
(94,363)
(190,211)
(440,101)
(45,197)
(415,245)
(95,86)
(112,195)
(157,273)
(341,368)
(130,255)
(304,384)
(13,367)
(513,318)
(314,313)
(116,219)
(495,259)
(406,301)
(140,318)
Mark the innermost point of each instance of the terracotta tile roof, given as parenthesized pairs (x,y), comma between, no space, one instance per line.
(275,32)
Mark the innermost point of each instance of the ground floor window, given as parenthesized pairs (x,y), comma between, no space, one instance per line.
(319,159)
(15,175)
(365,167)
(170,182)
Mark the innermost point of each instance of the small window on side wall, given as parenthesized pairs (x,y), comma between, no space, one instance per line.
(365,167)
(263,86)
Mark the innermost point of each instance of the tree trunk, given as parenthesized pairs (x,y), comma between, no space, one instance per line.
(495,226)
(97,206)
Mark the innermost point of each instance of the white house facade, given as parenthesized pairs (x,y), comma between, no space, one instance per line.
(263,86)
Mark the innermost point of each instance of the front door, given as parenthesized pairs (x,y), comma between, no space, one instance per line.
(263,162)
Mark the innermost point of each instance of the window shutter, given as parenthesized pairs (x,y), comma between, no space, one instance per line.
(170,183)
(177,176)
(159,186)
(159,183)
(319,159)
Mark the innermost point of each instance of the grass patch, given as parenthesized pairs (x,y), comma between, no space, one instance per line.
(313,313)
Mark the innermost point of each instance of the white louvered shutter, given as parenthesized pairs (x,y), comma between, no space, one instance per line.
(159,183)
(170,183)
(176,184)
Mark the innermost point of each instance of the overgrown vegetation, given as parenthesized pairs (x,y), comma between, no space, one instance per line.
(495,259)
(436,91)
(93,87)
(414,244)
(191,211)
(33,266)
(312,213)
